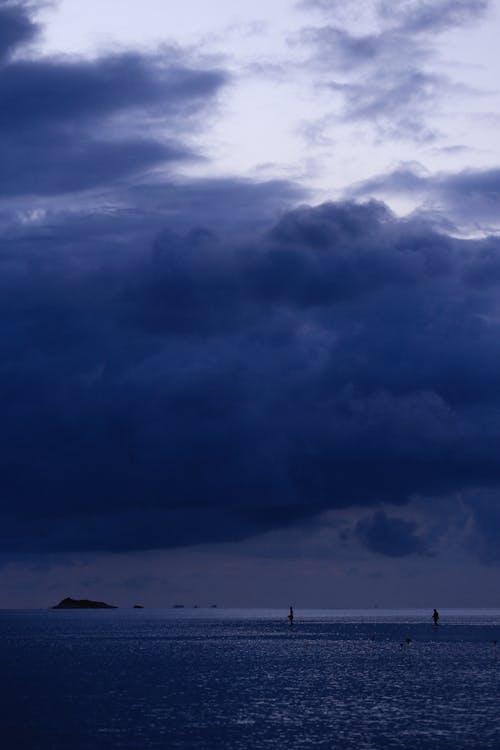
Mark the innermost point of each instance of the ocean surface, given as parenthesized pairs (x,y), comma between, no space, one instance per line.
(246,679)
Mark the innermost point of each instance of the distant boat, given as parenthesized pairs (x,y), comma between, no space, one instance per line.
(178,606)
(137,606)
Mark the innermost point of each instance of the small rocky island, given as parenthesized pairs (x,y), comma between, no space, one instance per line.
(70,603)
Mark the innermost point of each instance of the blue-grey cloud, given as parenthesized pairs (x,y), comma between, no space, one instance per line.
(69,125)
(375,86)
(215,386)
(470,198)
(16,27)
(63,92)
(57,163)
(386,77)
(417,16)
(410,15)
(230,204)
(396,105)
(337,48)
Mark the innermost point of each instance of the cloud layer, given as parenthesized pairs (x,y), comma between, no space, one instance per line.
(209,389)
(180,366)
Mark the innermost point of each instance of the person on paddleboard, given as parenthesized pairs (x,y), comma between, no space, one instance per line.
(435,616)
(290,616)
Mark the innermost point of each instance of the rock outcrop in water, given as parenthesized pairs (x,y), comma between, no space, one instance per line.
(70,603)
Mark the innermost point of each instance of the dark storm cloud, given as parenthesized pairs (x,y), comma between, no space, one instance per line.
(68,124)
(390,536)
(471,198)
(178,367)
(386,77)
(213,387)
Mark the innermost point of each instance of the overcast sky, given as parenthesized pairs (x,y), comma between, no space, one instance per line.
(249,275)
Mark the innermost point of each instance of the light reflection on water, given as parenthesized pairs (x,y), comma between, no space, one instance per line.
(233,678)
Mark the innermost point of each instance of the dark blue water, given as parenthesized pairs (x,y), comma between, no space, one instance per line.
(205,679)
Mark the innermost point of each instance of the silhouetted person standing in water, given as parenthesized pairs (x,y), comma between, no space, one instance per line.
(435,616)
(290,616)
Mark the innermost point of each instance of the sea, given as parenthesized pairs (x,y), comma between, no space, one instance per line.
(178,679)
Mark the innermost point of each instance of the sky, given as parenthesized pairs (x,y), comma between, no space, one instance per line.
(249,273)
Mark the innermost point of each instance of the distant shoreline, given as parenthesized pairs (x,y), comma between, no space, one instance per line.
(70,603)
